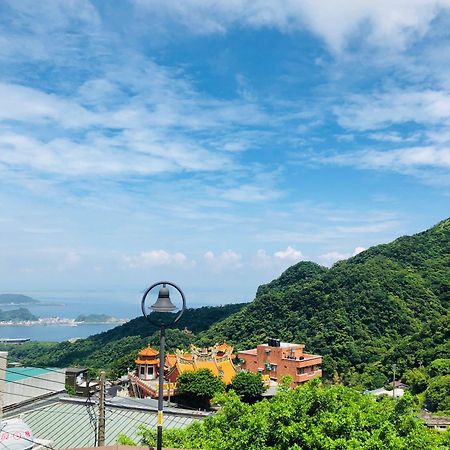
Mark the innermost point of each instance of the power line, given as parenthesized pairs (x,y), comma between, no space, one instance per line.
(92,417)
(30,376)
(50,369)
(31,386)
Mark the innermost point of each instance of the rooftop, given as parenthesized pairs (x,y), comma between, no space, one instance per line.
(70,424)
(19,373)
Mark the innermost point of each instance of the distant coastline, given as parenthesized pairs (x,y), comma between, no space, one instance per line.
(44,321)
(22,317)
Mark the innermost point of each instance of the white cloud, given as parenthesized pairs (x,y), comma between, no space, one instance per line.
(229,259)
(277,261)
(250,193)
(155,258)
(358,250)
(290,254)
(380,110)
(329,258)
(24,104)
(382,22)
(398,159)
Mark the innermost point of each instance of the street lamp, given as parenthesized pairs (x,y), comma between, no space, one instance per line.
(162,305)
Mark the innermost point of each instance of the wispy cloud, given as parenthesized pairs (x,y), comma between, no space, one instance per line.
(155,258)
(380,110)
(384,23)
(430,164)
(227,260)
(330,258)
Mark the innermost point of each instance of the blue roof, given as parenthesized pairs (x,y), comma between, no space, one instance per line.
(19,373)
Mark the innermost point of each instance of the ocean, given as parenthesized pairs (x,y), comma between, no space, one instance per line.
(67,305)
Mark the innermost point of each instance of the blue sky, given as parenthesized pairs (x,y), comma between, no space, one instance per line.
(215,143)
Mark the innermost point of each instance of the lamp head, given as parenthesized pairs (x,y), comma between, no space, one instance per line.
(163,303)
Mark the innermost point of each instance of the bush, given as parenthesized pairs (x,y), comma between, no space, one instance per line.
(438,393)
(199,386)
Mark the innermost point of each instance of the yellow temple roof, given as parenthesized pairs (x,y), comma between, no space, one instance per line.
(208,358)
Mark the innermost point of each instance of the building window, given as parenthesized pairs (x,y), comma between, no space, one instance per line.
(300,370)
(142,371)
(273,367)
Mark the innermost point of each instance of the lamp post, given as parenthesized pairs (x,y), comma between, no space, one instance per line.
(163,304)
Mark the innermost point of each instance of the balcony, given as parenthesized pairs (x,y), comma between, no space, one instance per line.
(302,378)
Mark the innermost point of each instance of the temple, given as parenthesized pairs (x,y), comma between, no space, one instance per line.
(272,360)
(144,383)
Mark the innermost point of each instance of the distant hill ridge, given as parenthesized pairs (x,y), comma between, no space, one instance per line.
(16,299)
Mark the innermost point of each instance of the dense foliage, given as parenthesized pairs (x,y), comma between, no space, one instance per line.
(389,304)
(311,417)
(249,386)
(438,393)
(199,387)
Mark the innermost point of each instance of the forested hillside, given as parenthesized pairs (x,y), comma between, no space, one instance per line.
(389,304)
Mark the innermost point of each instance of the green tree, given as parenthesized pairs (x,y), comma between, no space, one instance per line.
(416,379)
(309,417)
(248,385)
(373,377)
(438,393)
(200,386)
(439,367)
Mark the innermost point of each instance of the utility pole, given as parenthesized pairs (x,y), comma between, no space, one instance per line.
(393,381)
(101,410)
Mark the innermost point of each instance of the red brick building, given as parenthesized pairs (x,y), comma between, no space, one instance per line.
(277,359)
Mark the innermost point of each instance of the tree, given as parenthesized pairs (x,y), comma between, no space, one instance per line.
(440,367)
(309,417)
(416,379)
(438,393)
(248,385)
(199,386)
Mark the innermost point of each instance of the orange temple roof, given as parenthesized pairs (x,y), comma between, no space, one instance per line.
(149,351)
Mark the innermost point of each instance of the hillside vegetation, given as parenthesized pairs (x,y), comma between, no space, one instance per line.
(389,304)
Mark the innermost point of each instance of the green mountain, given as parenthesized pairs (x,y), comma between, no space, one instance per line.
(16,299)
(389,304)
(16,315)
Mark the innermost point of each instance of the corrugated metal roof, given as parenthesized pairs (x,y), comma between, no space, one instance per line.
(68,425)
(19,373)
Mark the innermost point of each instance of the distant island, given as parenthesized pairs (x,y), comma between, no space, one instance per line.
(96,318)
(16,299)
(23,317)
(17,315)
